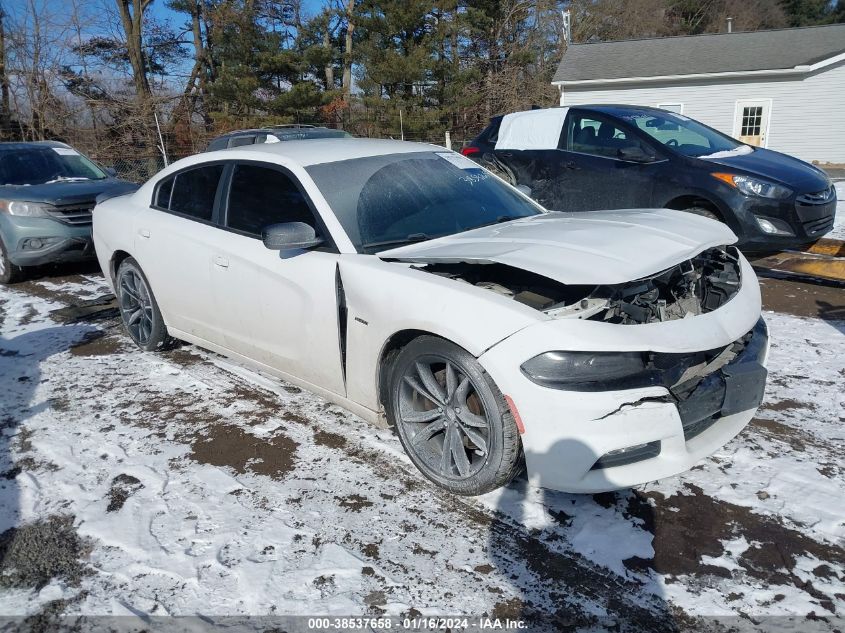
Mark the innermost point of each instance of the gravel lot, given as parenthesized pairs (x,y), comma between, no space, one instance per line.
(179,483)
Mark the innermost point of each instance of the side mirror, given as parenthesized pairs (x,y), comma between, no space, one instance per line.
(635,154)
(289,236)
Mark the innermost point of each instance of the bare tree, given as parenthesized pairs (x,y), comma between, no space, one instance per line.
(132,20)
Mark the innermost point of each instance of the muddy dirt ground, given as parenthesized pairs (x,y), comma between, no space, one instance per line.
(179,483)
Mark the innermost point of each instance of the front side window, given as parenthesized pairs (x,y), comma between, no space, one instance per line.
(42,165)
(191,192)
(386,201)
(261,196)
(681,133)
(587,134)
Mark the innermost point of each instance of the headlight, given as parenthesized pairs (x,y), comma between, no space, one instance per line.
(30,209)
(588,371)
(754,187)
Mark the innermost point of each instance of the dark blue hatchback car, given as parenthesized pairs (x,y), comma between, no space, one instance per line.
(47,192)
(617,157)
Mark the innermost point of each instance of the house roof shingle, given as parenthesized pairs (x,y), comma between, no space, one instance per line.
(697,54)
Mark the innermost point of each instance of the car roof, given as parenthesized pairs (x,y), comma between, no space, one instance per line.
(19,145)
(329,150)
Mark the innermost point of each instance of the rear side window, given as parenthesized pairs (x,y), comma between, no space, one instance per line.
(191,192)
(261,196)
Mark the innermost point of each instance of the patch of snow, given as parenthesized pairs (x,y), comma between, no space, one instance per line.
(742,150)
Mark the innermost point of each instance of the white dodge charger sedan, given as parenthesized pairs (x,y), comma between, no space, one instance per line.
(403,282)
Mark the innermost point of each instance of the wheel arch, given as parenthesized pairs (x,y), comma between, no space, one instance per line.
(394,343)
(686,201)
(117,258)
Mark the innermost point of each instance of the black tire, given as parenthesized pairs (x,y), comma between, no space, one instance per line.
(429,381)
(139,310)
(705,213)
(9,273)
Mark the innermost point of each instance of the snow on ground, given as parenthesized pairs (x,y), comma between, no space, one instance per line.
(197,486)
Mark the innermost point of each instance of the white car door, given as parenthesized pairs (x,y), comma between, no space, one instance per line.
(173,246)
(280,309)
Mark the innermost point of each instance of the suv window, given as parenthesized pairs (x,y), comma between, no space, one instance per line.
(588,134)
(238,141)
(261,196)
(191,192)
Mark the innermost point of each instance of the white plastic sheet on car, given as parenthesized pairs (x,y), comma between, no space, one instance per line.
(532,129)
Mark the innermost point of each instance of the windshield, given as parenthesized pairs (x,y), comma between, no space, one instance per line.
(39,165)
(680,133)
(386,201)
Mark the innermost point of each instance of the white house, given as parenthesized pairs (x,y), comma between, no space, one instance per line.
(781,89)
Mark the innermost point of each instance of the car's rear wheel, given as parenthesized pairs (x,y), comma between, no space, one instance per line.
(9,273)
(138,308)
(451,418)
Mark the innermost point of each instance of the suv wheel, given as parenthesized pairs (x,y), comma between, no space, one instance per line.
(138,308)
(451,418)
(9,273)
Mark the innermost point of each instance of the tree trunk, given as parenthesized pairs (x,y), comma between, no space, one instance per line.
(132,20)
(5,107)
(327,44)
(347,53)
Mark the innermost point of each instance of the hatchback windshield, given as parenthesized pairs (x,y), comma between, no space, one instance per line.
(387,201)
(39,165)
(681,134)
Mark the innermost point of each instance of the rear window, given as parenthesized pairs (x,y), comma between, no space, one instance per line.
(191,192)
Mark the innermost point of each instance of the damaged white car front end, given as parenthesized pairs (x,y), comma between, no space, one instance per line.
(651,353)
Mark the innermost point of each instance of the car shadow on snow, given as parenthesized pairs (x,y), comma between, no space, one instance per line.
(20,375)
(579,557)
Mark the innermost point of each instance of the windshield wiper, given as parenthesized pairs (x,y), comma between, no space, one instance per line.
(408,239)
(67,179)
(501,220)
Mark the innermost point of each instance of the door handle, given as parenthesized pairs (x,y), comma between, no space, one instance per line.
(144,233)
(221,261)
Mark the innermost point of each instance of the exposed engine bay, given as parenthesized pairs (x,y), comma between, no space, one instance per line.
(696,286)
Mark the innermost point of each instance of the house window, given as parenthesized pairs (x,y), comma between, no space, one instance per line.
(677,108)
(752,121)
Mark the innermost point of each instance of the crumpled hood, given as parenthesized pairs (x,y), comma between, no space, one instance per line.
(596,247)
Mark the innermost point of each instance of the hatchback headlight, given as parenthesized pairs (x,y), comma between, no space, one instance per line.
(29,209)
(754,186)
(587,371)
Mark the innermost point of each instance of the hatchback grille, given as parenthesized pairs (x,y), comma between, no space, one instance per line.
(818,197)
(73,213)
(820,226)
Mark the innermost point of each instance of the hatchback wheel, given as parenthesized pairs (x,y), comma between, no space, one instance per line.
(9,273)
(138,308)
(705,213)
(451,418)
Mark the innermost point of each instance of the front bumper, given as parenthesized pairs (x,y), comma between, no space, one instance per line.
(61,242)
(807,220)
(568,432)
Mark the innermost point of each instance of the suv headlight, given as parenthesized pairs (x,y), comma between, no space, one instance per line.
(753,186)
(29,209)
(588,371)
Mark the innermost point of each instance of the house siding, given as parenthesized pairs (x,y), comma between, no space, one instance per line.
(807,117)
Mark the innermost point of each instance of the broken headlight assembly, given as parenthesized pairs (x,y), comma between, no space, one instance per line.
(587,371)
(680,373)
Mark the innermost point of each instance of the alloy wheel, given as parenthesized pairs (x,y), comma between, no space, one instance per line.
(136,306)
(444,418)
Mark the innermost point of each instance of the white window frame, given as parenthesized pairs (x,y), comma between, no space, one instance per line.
(680,107)
(739,104)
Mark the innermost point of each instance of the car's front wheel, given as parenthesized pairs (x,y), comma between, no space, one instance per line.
(451,418)
(9,273)
(138,308)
